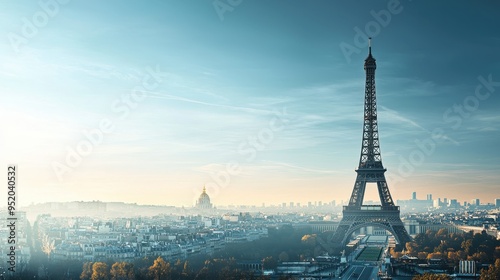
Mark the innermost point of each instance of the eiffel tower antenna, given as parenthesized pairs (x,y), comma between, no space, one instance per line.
(356,215)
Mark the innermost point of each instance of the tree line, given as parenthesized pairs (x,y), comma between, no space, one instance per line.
(282,244)
(163,270)
(453,247)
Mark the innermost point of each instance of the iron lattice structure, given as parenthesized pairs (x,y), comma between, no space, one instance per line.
(370,170)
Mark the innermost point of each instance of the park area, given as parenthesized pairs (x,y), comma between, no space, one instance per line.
(370,254)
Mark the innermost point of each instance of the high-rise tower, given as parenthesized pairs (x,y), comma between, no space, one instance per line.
(370,170)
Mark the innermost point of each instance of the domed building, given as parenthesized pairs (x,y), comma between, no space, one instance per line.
(203,201)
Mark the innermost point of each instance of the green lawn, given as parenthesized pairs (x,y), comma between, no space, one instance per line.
(370,254)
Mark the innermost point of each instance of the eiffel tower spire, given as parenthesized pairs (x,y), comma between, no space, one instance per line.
(370,170)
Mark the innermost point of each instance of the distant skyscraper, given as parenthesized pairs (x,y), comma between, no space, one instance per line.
(453,203)
(429,197)
(437,203)
(414,195)
(497,202)
(475,202)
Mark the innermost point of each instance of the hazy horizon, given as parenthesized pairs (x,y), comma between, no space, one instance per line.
(261,102)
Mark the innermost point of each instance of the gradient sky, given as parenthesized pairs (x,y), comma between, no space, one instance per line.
(274,89)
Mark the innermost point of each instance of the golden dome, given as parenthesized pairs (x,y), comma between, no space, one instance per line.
(204,200)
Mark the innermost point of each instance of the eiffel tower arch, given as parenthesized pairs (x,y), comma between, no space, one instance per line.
(356,215)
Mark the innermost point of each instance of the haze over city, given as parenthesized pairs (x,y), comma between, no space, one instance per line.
(261,102)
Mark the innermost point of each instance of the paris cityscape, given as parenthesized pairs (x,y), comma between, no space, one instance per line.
(233,139)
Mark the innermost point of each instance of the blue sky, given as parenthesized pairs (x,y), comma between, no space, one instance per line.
(261,101)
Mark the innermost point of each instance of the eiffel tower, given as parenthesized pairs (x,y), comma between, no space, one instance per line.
(370,170)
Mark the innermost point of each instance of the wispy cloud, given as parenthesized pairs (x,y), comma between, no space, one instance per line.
(398,118)
(167,96)
(294,168)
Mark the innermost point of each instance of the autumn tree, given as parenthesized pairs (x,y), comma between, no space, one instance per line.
(481,257)
(411,248)
(437,255)
(309,240)
(430,276)
(186,271)
(160,269)
(395,254)
(455,246)
(86,271)
(122,271)
(442,233)
(100,271)
(492,273)
(422,255)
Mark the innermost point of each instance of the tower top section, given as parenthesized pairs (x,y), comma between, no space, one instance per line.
(370,60)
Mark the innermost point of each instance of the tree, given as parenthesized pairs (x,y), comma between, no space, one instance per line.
(186,271)
(442,232)
(100,271)
(411,248)
(160,269)
(86,271)
(177,269)
(492,273)
(422,255)
(122,271)
(435,256)
(395,254)
(429,276)
(481,256)
(453,256)
(48,245)
(467,247)
(309,240)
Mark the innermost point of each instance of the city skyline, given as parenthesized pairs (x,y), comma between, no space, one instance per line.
(261,102)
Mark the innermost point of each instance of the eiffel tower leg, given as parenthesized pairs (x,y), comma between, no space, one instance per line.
(339,236)
(358,192)
(384,194)
(402,235)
